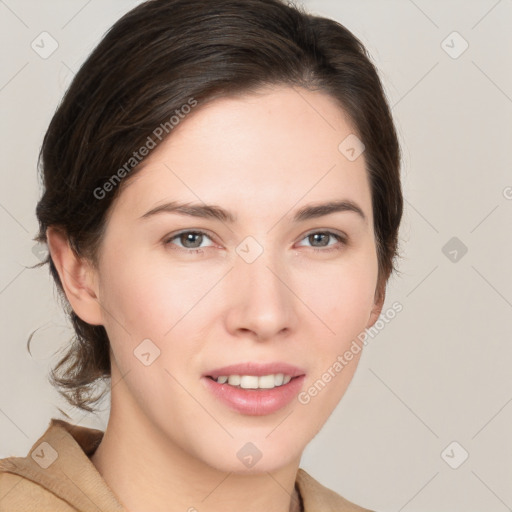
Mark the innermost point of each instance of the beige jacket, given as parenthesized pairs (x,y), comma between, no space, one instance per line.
(58,476)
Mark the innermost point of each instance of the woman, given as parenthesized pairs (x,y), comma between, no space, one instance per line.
(221,205)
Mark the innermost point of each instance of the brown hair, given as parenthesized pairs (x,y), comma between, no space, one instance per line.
(149,64)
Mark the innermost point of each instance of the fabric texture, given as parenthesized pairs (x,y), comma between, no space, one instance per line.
(57,475)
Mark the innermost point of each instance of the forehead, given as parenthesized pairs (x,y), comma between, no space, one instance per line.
(257,153)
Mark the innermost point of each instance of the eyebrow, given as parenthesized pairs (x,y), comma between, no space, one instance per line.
(312,211)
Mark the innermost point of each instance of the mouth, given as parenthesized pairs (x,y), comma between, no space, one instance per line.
(255,389)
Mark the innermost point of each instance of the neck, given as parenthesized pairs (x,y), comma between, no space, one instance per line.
(148,471)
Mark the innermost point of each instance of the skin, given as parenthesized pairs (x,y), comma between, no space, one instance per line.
(169,444)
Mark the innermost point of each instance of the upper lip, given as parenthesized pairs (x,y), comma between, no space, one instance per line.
(258,369)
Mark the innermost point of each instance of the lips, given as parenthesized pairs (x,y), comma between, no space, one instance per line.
(255,402)
(257,369)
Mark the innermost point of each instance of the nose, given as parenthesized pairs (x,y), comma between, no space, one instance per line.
(261,301)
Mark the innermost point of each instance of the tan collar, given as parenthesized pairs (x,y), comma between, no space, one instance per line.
(70,446)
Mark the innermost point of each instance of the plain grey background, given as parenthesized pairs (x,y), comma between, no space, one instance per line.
(426,423)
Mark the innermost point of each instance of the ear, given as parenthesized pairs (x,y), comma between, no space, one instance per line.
(78,277)
(380,296)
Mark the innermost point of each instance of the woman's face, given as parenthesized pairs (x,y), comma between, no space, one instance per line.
(267,287)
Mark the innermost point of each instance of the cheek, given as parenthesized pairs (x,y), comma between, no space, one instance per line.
(144,302)
(162,301)
(131,298)
(341,296)
(144,294)
(342,300)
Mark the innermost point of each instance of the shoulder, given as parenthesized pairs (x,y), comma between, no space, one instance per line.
(54,474)
(20,494)
(318,498)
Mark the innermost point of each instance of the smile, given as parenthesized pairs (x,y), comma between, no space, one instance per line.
(255,389)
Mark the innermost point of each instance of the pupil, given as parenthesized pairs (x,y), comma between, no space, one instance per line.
(189,238)
(316,235)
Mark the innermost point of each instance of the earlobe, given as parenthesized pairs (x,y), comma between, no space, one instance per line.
(380,297)
(78,277)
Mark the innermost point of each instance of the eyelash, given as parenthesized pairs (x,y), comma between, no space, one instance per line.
(341,239)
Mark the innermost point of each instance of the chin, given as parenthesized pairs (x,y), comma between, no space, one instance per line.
(252,454)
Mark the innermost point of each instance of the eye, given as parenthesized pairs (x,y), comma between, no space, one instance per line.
(322,237)
(190,240)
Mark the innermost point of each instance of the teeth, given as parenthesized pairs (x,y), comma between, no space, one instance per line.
(266,381)
(234,380)
(249,382)
(254,381)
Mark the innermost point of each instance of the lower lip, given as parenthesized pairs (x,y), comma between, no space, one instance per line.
(255,402)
